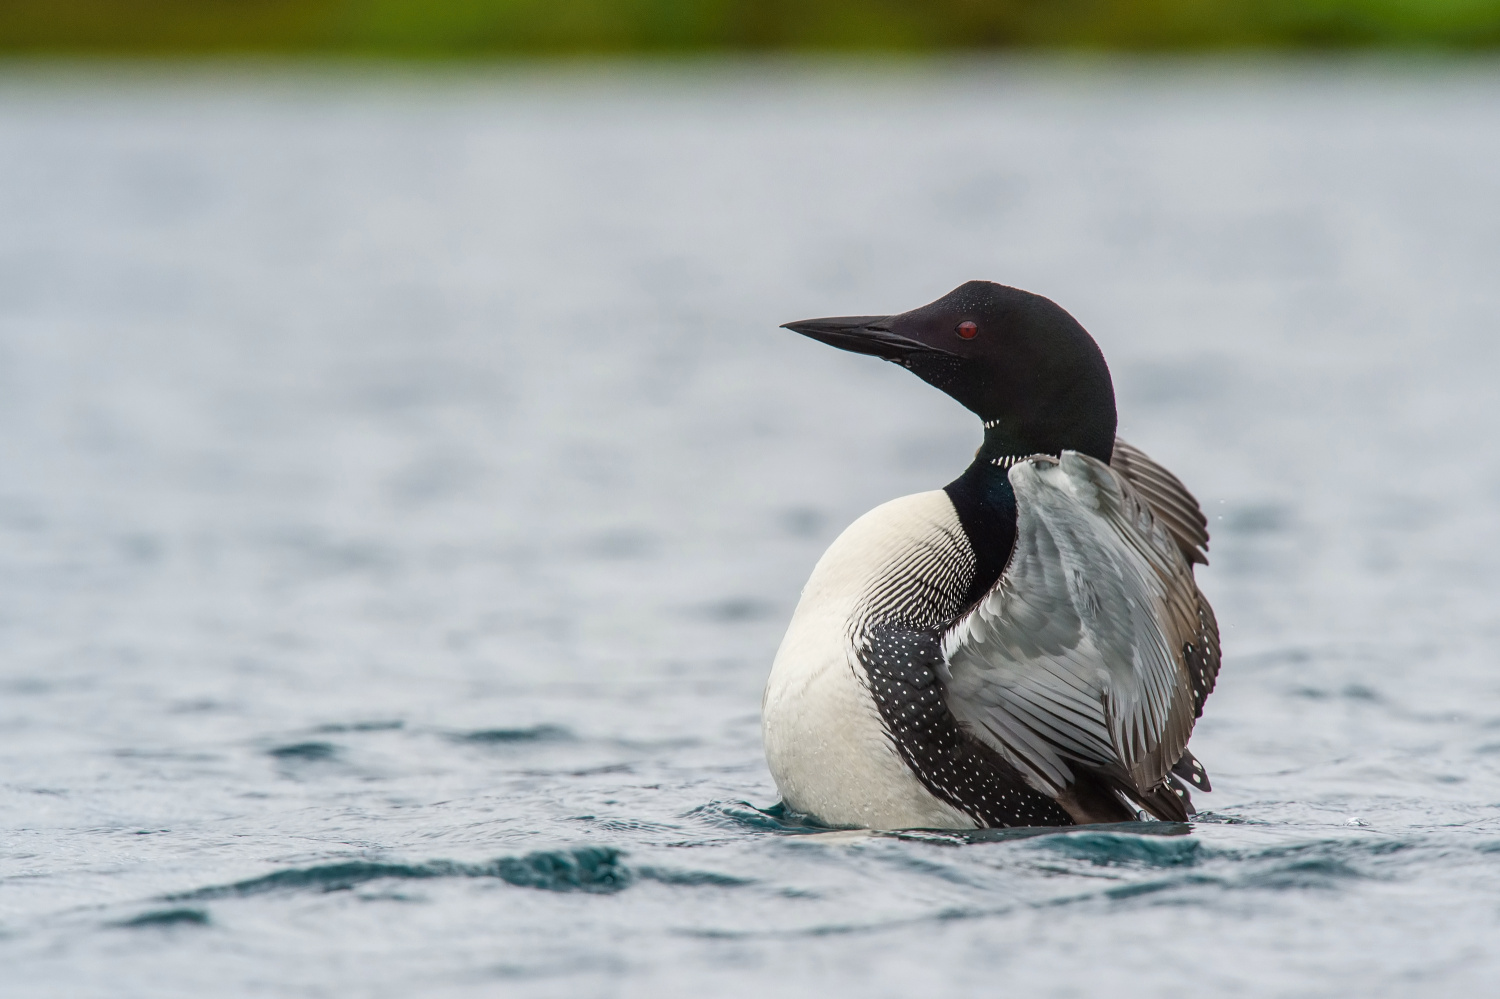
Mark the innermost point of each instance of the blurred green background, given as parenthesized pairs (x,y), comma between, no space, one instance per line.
(438,28)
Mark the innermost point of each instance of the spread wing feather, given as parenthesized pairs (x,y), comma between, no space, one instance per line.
(1168,498)
(1081,656)
(1179,512)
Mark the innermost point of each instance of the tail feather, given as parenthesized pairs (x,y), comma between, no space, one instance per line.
(1190,770)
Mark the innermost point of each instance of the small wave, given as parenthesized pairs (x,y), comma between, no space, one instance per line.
(1330,848)
(335,728)
(743,815)
(1140,888)
(1323,865)
(634,826)
(536,733)
(1302,875)
(691,879)
(1108,849)
(597,870)
(736,609)
(307,751)
(1313,872)
(324,877)
(166,917)
(592,869)
(816,930)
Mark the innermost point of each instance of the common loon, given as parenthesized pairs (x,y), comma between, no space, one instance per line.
(1025,646)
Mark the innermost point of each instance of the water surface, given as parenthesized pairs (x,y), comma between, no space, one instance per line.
(404,487)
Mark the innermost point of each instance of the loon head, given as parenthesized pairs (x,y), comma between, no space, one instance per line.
(1017,360)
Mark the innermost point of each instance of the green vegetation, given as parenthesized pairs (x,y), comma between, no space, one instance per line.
(482,27)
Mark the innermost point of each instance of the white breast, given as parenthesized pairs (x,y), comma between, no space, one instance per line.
(826,745)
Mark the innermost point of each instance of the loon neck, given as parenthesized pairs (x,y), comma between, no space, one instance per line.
(1003,447)
(986,506)
(984,487)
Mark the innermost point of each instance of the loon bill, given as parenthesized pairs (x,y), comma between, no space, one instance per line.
(1025,646)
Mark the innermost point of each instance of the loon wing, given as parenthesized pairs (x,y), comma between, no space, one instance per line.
(1178,511)
(1175,508)
(1078,665)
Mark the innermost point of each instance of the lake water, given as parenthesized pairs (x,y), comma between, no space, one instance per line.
(404,486)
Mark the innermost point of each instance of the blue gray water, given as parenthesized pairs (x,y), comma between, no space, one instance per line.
(404,486)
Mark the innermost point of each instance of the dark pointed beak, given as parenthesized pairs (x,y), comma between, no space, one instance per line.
(862,335)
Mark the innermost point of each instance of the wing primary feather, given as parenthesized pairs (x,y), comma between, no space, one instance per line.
(1168,498)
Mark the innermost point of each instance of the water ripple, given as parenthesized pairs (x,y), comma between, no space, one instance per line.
(593,869)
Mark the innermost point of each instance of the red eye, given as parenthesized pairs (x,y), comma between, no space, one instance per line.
(967,330)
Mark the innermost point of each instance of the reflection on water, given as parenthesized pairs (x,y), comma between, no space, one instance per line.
(404,485)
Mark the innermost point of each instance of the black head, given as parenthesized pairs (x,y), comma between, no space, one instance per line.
(1022,364)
